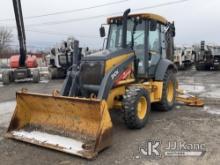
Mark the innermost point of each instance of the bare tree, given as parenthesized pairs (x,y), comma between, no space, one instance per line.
(5,38)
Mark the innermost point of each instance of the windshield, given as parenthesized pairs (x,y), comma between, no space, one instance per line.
(135,35)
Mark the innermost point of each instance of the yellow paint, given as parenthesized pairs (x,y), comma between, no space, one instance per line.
(127,81)
(154,88)
(189,100)
(144,15)
(115,61)
(170,91)
(112,101)
(142,107)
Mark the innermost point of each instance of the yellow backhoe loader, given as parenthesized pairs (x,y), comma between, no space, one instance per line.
(131,74)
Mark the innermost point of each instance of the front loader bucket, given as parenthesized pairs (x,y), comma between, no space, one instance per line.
(77,126)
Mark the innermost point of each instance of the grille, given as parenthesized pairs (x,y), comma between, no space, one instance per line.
(92,72)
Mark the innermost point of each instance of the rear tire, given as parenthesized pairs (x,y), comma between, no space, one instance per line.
(36,76)
(168,99)
(137,107)
(6,77)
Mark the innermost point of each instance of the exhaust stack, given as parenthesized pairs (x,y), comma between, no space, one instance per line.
(124,28)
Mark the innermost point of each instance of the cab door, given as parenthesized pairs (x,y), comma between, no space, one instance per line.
(139,46)
(154,45)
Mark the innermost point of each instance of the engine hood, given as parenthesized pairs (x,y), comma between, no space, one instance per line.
(106,54)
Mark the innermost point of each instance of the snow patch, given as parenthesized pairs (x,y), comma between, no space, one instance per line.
(67,144)
(7,107)
(6,112)
(193,88)
(211,110)
(44,81)
(215,93)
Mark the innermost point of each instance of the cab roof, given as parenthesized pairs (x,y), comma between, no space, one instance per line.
(149,16)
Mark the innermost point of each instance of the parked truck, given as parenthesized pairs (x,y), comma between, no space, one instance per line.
(208,56)
(184,57)
(62,57)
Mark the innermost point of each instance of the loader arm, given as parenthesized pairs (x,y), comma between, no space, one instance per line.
(21,31)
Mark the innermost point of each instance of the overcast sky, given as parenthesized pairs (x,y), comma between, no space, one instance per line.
(195,20)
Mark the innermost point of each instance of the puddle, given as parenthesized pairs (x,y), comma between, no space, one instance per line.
(193,88)
(44,81)
(212,94)
(211,110)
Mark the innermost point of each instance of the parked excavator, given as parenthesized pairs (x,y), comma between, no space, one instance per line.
(130,75)
(22,66)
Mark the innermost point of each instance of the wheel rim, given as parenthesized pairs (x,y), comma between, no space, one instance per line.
(142,107)
(170,91)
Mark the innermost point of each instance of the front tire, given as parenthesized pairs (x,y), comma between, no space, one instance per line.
(137,106)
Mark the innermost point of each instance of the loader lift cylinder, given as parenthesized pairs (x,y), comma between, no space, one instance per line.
(21,32)
(71,81)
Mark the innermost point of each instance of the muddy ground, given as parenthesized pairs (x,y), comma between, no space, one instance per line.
(187,125)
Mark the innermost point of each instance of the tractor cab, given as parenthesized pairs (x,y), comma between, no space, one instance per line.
(145,39)
(148,35)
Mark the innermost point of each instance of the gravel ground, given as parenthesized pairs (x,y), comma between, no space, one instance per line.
(188,125)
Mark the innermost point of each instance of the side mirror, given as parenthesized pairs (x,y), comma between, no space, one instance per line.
(153,25)
(102,31)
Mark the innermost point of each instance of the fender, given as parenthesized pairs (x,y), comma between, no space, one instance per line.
(162,67)
(112,76)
